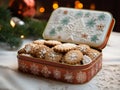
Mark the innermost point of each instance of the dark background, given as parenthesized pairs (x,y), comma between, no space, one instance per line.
(112,6)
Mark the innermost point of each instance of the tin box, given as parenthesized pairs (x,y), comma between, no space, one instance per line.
(76,26)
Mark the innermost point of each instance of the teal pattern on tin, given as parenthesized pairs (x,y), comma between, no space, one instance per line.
(78,26)
(79,14)
(52,32)
(101,17)
(87,14)
(90,23)
(94,38)
(65,21)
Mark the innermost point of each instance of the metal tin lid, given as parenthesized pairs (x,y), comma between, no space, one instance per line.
(79,26)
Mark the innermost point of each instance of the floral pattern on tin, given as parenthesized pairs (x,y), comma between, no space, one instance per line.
(45,71)
(81,77)
(34,69)
(57,74)
(69,76)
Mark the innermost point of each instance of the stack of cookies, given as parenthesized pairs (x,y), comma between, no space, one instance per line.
(56,51)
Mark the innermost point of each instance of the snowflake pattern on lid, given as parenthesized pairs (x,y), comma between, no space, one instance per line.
(78,26)
(100,27)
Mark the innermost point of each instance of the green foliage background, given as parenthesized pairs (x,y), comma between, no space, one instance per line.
(32,28)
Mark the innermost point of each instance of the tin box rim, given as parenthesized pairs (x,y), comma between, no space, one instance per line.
(55,64)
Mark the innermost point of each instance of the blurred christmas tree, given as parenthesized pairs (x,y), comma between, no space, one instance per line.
(12,34)
(7,32)
(34,28)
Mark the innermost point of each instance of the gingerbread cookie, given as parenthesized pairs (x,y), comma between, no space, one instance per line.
(27,55)
(40,51)
(83,48)
(73,57)
(65,47)
(52,43)
(29,48)
(21,51)
(93,53)
(51,55)
(39,42)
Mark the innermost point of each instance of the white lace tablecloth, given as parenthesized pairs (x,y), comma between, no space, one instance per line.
(12,79)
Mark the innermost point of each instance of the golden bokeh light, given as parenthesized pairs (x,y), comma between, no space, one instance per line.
(92,6)
(41,9)
(22,36)
(12,23)
(19,12)
(55,5)
(78,4)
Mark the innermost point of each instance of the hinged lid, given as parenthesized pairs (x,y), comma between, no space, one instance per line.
(79,26)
